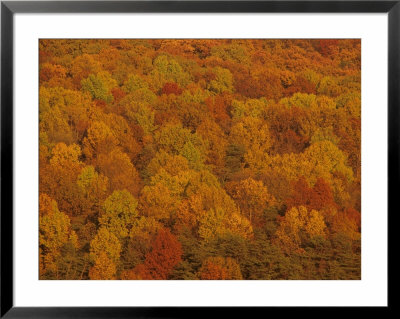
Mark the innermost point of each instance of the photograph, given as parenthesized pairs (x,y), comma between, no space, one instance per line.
(199,159)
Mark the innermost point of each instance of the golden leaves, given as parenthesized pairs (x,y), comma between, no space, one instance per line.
(298,225)
(105,242)
(151,146)
(55,232)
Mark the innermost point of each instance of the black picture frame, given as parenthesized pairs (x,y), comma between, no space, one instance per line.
(9,8)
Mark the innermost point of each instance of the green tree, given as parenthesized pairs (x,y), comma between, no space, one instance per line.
(99,86)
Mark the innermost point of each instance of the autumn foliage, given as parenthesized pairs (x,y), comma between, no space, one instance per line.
(164,255)
(199,159)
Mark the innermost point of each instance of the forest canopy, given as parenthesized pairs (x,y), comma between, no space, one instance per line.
(200,159)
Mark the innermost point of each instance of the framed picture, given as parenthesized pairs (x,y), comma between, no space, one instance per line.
(159,158)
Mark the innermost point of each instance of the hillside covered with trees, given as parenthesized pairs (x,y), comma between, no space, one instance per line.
(200,159)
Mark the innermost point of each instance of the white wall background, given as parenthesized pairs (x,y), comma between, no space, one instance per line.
(370,291)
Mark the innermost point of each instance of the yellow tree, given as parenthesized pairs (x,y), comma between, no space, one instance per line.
(54,232)
(119,213)
(219,222)
(100,139)
(178,140)
(168,70)
(66,156)
(63,170)
(93,188)
(297,225)
(99,86)
(161,198)
(223,81)
(105,242)
(253,134)
(211,213)
(82,66)
(63,114)
(252,107)
(172,164)
(253,198)
(105,250)
(103,269)
(133,83)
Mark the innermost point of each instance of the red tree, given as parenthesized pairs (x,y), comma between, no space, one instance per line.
(322,196)
(301,194)
(165,254)
(318,197)
(171,88)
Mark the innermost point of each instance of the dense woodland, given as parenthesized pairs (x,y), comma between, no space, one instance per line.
(200,159)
